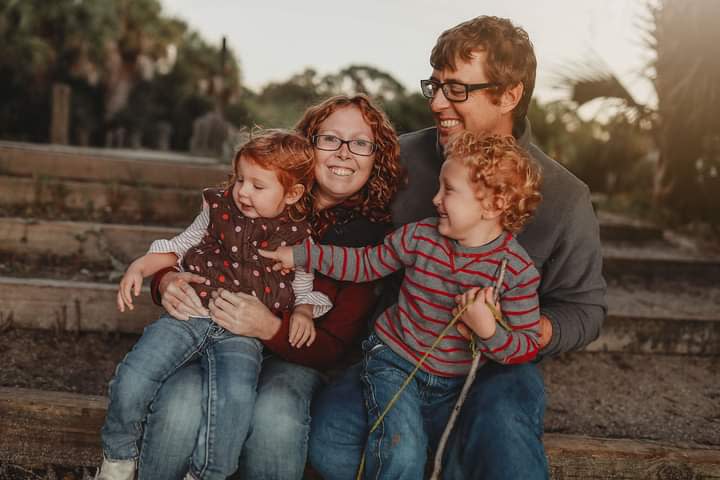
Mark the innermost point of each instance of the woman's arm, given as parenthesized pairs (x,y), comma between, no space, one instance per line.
(336,331)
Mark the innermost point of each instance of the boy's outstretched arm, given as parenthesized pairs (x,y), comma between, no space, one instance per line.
(147,265)
(351,264)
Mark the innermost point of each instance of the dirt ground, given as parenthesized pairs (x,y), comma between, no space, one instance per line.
(669,398)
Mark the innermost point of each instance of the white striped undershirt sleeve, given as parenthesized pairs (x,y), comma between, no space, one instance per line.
(184,241)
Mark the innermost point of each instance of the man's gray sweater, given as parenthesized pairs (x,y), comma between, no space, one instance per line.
(562,238)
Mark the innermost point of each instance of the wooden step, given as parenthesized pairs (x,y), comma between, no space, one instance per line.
(41,427)
(640,320)
(92,200)
(95,242)
(620,228)
(142,167)
(72,306)
(659,260)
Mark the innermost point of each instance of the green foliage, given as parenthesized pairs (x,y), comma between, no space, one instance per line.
(684,127)
(610,156)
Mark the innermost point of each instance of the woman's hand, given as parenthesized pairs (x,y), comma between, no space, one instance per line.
(243,314)
(179,298)
(283,255)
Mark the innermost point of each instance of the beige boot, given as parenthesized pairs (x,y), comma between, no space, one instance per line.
(116,470)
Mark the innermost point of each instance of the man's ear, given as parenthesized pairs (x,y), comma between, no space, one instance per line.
(511,97)
(294,194)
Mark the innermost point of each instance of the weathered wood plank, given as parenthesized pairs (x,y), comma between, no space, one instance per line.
(141,204)
(98,165)
(667,262)
(38,427)
(73,306)
(90,241)
(578,457)
(670,335)
(85,306)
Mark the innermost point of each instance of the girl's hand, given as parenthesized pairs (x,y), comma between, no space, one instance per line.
(478,317)
(283,255)
(179,298)
(130,284)
(302,330)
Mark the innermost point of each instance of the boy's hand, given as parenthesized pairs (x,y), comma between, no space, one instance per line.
(130,284)
(302,329)
(478,317)
(284,256)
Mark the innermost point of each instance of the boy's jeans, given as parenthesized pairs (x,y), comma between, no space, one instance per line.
(231,365)
(498,434)
(397,449)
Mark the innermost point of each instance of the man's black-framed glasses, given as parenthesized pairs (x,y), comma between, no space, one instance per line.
(453,91)
(332,143)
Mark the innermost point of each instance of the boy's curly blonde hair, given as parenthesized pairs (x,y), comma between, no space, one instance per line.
(500,165)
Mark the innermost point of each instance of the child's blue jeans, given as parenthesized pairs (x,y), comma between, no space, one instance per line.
(231,365)
(398,448)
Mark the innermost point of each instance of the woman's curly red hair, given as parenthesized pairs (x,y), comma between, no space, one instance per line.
(373,200)
(504,168)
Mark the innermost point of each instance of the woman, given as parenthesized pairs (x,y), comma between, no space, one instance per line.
(357,172)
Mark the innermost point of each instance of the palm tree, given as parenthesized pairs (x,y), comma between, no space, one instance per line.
(685,125)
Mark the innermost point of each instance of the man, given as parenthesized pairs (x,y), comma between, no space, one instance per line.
(482,81)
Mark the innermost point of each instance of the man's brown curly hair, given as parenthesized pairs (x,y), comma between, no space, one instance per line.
(373,200)
(500,165)
(510,56)
(289,155)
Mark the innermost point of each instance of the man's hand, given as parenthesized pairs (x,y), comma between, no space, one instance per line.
(283,255)
(179,298)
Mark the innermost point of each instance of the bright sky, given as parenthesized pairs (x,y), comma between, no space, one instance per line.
(275,39)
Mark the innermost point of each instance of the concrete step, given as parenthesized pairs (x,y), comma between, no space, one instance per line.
(143,167)
(641,319)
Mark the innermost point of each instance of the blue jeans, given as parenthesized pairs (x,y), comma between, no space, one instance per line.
(276,446)
(230,367)
(497,436)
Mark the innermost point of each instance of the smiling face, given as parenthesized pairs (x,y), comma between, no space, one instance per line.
(341,174)
(480,113)
(257,192)
(465,210)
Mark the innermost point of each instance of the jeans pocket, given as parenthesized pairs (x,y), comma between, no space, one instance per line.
(372,344)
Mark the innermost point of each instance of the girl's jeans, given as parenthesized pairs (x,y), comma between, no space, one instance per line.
(497,436)
(230,364)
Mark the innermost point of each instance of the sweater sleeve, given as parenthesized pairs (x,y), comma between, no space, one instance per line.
(359,264)
(520,309)
(572,292)
(336,331)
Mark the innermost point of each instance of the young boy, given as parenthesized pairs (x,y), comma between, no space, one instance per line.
(488,190)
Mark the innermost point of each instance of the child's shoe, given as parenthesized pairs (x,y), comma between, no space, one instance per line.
(116,470)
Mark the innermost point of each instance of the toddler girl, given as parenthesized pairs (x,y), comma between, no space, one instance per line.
(258,209)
